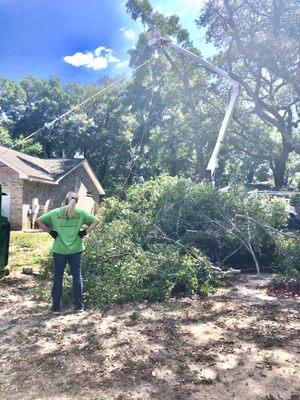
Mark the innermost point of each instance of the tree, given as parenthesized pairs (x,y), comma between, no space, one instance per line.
(250,149)
(107,144)
(12,101)
(260,46)
(46,99)
(28,147)
(5,139)
(188,75)
(100,130)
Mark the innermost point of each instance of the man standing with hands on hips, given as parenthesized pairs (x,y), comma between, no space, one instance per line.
(64,225)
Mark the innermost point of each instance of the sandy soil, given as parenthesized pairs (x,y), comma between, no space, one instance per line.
(239,343)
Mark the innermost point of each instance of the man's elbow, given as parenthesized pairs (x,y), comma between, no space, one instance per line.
(40,224)
(95,223)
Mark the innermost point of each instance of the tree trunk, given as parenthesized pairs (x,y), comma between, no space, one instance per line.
(279,172)
(278,166)
(200,162)
(48,150)
(251,172)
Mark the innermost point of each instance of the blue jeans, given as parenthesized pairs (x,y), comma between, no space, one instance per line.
(60,262)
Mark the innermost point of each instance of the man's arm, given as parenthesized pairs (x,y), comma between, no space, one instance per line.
(47,229)
(89,229)
(92,226)
(43,226)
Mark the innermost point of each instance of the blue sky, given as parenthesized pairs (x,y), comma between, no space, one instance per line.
(77,40)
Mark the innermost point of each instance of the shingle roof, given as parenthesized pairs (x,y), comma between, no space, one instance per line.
(49,170)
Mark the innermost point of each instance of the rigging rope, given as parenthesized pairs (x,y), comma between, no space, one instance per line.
(49,124)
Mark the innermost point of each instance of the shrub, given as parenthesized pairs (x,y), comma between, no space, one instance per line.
(295,200)
(118,268)
(287,257)
(285,284)
(161,239)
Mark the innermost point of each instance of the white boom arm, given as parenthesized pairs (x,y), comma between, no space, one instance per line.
(155,40)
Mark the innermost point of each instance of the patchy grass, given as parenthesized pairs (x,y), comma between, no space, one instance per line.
(27,248)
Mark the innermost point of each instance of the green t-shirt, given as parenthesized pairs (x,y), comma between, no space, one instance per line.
(67,241)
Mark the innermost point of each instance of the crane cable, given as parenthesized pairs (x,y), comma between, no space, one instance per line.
(49,124)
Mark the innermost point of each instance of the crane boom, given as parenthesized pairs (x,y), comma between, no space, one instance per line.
(156,40)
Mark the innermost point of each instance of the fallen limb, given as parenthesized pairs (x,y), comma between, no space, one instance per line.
(268,227)
(220,273)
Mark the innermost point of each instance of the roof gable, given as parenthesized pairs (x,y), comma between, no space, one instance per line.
(49,171)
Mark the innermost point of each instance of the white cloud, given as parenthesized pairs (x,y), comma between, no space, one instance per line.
(128,33)
(122,64)
(96,59)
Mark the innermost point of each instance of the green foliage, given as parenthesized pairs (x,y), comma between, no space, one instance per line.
(129,258)
(278,280)
(286,264)
(244,32)
(165,119)
(288,283)
(287,256)
(161,240)
(26,249)
(12,100)
(295,201)
(5,138)
(118,269)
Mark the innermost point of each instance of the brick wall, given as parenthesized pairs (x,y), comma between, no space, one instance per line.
(13,185)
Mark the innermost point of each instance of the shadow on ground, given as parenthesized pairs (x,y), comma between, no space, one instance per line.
(238,343)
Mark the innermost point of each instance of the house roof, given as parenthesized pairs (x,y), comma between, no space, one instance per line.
(50,171)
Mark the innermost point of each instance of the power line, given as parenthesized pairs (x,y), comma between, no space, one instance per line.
(48,124)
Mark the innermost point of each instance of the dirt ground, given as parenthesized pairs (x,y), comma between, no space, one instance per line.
(239,343)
